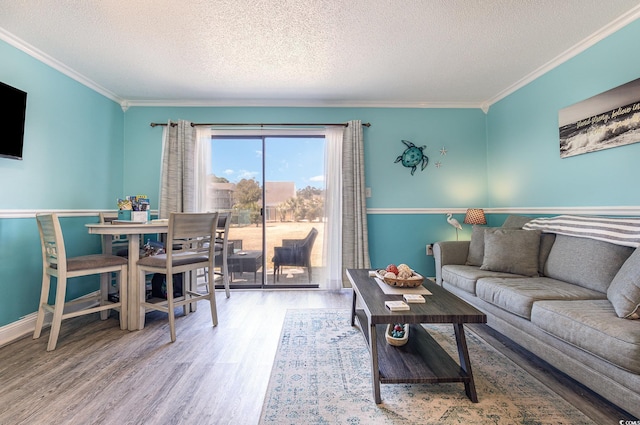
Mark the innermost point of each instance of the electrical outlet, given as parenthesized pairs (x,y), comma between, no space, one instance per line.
(430,249)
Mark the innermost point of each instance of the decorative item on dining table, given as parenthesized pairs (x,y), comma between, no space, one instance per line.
(134,208)
(400,276)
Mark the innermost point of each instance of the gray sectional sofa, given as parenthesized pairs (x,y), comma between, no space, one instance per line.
(569,299)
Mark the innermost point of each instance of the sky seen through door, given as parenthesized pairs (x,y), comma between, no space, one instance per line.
(297,159)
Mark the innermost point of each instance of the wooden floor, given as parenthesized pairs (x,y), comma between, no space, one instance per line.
(101,375)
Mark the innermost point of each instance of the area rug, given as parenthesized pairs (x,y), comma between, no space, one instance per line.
(321,375)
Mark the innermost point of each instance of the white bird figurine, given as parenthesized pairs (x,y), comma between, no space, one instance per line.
(452,221)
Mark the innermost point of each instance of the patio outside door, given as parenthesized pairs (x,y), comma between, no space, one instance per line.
(274,189)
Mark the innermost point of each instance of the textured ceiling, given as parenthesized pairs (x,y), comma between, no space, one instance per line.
(317,52)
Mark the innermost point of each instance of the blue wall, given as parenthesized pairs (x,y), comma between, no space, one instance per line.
(396,237)
(82,151)
(73,142)
(524,167)
(73,155)
(460,182)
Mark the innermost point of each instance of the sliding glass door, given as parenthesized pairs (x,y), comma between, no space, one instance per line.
(274,188)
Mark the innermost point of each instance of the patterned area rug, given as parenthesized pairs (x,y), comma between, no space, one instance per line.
(321,375)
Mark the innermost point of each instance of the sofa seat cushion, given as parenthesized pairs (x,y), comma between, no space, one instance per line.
(465,277)
(517,295)
(593,326)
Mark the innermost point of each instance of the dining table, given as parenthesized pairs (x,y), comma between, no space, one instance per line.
(133,231)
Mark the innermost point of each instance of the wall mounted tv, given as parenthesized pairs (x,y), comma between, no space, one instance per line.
(13,107)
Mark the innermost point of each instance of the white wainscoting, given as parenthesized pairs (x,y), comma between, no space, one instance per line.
(61,213)
(615,211)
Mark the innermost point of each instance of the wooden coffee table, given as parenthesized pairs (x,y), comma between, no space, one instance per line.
(421,360)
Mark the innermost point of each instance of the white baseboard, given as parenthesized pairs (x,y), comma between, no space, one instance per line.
(27,324)
(16,330)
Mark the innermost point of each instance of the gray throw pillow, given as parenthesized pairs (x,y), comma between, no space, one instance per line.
(624,291)
(546,243)
(586,262)
(516,221)
(476,246)
(511,251)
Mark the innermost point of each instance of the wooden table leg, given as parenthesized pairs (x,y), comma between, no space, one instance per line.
(465,362)
(105,278)
(353,309)
(136,313)
(375,371)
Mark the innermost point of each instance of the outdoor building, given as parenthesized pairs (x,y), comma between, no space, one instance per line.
(277,193)
(220,195)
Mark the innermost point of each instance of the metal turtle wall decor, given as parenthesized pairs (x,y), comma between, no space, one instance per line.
(412,156)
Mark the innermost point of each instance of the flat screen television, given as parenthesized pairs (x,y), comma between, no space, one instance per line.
(13,107)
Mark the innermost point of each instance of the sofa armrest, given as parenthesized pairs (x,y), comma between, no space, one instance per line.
(449,252)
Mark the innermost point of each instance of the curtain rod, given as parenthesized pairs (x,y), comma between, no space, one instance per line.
(173,124)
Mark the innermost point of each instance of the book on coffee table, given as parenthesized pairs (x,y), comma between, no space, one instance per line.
(397,305)
(413,298)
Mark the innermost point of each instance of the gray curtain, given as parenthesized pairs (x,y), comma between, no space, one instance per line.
(355,239)
(178,173)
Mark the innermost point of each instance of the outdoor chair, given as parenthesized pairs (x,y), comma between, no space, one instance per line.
(189,247)
(56,263)
(295,253)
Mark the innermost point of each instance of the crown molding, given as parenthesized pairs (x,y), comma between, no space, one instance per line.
(570,53)
(298,103)
(57,65)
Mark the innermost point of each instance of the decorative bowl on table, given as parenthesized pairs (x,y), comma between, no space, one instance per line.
(401,276)
(401,336)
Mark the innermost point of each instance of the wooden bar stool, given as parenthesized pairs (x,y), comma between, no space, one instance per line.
(55,263)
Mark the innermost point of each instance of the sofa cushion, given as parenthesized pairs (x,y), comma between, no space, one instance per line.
(465,277)
(476,246)
(516,221)
(624,291)
(593,326)
(511,251)
(517,295)
(546,243)
(585,262)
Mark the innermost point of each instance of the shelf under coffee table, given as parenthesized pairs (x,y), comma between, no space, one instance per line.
(421,360)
